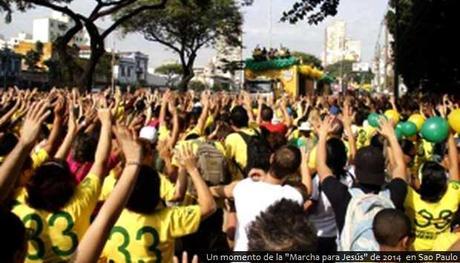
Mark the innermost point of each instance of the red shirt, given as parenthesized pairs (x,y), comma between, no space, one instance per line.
(275,128)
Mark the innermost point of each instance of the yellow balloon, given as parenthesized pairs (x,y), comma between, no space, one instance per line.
(392,115)
(418,120)
(454,120)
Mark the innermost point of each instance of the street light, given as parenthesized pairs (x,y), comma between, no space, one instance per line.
(396,51)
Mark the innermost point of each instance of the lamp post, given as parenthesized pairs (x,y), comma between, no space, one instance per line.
(396,51)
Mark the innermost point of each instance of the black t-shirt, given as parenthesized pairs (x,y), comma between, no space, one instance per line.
(339,197)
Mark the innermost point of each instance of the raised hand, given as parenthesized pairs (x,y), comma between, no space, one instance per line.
(104,113)
(325,127)
(128,140)
(186,158)
(32,123)
(386,128)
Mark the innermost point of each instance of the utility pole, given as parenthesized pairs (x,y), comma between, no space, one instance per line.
(385,61)
(396,51)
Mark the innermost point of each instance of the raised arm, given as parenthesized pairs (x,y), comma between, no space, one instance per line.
(94,239)
(453,158)
(260,105)
(287,120)
(175,127)
(59,110)
(205,97)
(347,119)
(304,171)
(164,105)
(103,146)
(7,117)
(247,101)
(72,129)
(189,162)
(11,167)
(321,166)
(387,130)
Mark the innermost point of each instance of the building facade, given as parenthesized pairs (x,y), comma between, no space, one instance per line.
(10,66)
(131,68)
(338,47)
(48,29)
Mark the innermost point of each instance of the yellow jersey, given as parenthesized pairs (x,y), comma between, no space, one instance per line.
(236,147)
(38,158)
(167,189)
(54,236)
(445,241)
(150,238)
(431,219)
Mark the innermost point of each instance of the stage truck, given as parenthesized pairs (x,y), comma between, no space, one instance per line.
(278,76)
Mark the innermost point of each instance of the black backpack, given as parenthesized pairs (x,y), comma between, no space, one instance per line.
(258,153)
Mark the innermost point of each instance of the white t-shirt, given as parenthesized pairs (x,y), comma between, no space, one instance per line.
(252,198)
(323,217)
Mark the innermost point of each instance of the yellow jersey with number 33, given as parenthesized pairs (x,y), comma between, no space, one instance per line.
(150,238)
(53,237)
(430,220)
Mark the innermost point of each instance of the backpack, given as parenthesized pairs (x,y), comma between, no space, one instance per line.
(357,234)
(258,152)
(212,164)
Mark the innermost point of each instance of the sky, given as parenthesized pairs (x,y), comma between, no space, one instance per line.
(363,19)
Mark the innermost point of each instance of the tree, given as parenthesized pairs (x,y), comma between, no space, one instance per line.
(171,71)
(197,86)
(308,59)
(82,75)
(185,28)
(344,69)
(33,57)
(428,55)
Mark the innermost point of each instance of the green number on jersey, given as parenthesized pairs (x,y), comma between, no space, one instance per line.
(40,245)
(66,232)
(35,236)
(123,247)
(155,240)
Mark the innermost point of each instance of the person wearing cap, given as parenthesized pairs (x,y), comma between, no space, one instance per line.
(433,207)
(369,171)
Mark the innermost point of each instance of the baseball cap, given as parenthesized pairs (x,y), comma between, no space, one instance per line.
(334,110)
(370,166)
(148,133)
(305,126)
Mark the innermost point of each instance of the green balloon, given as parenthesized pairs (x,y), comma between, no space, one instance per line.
(373,120)
(409,129)
(399,130)
(435,129)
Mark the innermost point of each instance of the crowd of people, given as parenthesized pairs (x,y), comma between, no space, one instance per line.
(144,176)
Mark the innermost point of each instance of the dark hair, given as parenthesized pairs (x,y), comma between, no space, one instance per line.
(239,117)
(146,193)
(336,156)
(276,140)
(284,226)
(434,182)
(84,147)
(407,147)
(267,113)
(286,161)
(337,128)
(13,237)
(51,186)
(7,142)
(378,141)
(390,226)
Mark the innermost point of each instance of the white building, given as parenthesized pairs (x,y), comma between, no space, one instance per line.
(131,68)
(14,41)
(226,53)
(338,46)
(47,29)
(353,50)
